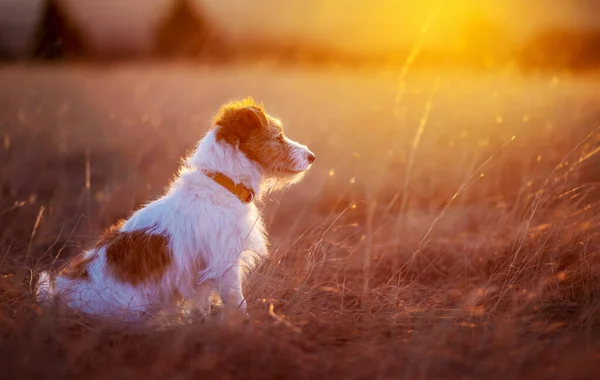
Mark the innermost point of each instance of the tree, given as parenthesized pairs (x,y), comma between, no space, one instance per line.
(57,37)
(185,32)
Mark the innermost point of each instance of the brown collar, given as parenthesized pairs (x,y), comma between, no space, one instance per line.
(243,193)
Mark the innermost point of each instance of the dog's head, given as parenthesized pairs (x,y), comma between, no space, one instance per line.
(247,127)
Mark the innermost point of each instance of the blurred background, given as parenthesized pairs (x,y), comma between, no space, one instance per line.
(454,205)
(529,34)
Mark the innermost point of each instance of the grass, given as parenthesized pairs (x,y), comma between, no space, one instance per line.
(451,235)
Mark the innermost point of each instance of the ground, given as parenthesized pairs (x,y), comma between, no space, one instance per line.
(447,229)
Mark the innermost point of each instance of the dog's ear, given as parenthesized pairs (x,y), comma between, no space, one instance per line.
(238,121)
(246,121)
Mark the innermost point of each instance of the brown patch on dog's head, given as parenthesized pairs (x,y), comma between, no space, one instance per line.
(238,120)
(136,257)
(78,268)
(245,125)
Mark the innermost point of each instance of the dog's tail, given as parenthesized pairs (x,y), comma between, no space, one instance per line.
(45,288)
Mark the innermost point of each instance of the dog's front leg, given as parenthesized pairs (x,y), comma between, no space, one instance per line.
(201,299)
(230,289)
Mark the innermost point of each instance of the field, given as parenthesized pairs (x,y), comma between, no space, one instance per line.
(448,228)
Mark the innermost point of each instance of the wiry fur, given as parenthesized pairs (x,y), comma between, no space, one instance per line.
(213,238)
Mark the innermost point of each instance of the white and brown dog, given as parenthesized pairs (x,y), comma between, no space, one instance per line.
(201,236)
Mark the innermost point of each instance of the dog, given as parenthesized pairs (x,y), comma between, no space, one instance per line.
(201,237)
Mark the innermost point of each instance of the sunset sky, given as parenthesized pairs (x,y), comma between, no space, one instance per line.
(350,25)
(383,24)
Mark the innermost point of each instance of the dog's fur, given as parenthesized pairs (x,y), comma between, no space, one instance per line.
(197,238)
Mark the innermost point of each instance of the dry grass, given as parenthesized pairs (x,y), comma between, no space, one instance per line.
(458,252)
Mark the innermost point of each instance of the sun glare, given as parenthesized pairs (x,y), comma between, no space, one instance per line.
(388,25)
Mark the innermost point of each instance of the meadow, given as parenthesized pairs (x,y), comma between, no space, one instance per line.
(448,228)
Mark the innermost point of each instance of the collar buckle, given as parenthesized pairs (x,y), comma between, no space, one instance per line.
(249,198)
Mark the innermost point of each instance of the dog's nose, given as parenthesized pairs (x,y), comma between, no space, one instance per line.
(311,158)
